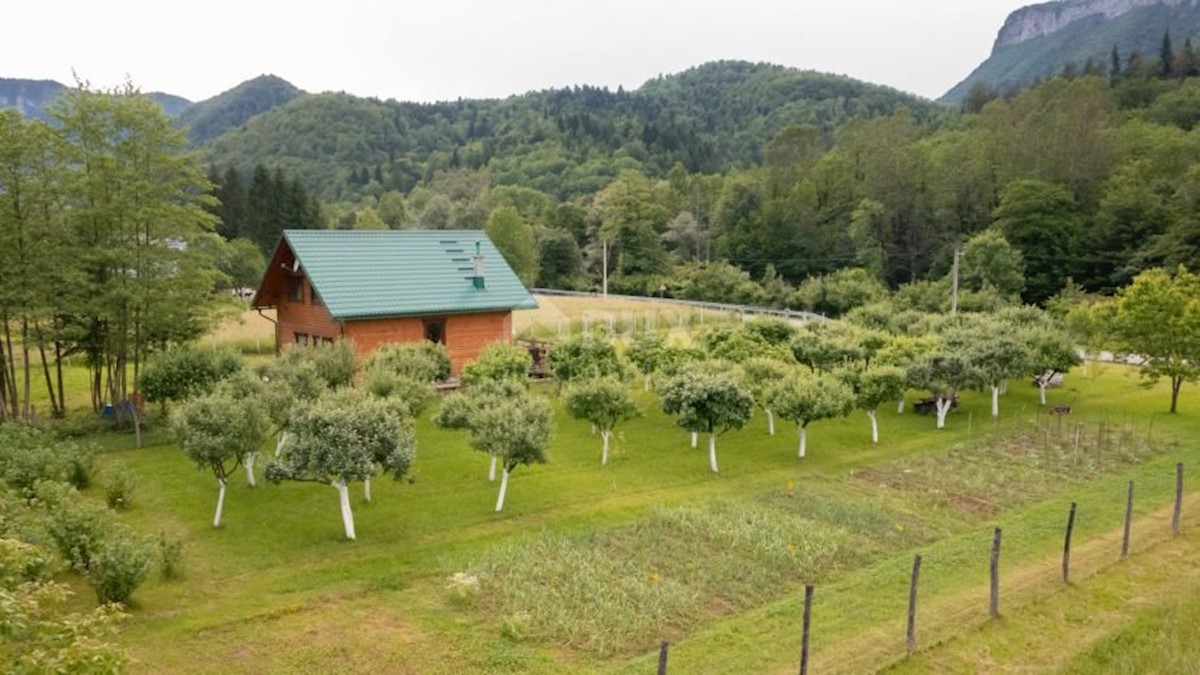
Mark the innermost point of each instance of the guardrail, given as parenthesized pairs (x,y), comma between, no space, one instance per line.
(700,304)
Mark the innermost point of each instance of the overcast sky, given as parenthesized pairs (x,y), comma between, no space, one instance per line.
(445,49)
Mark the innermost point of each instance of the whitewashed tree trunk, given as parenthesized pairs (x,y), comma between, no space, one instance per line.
(874,426)
(770,423)
(503,490)
(803,441)
(943,409)
(492,470)
(712,451)
(605,436)
(995,401)
(900,408)
(367,489)
(248,462)
(646,382)
(1042,390)
(695,439)
(220,503)
(280,442)
(347,514)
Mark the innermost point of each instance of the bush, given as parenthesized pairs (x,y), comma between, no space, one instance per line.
(422,361)
(585,356)
(182,373)
(119,566)
(76,526)
(499,361)
(118,488)
(32,456)
(415,395)
(170,556)
(335,363)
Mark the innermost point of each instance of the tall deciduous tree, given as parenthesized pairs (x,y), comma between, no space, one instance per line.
(514,237)
(1041,220)
(604,402)
(1158,317)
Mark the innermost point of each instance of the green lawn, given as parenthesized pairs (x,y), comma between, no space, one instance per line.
(589,566)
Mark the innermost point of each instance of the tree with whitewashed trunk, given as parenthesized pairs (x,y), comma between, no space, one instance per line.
(803,398)
(604,402)
(713,402)
(340,439)
(457,409)
(943,372)
(408,397)
(245,386)
(760,375)
(998,353)
(1050,354)
(585,356)
(517,430)
(217,431)
(288,384)
(873,386)
(647,352)
(903,352)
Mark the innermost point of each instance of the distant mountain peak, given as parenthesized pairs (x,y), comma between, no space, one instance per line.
(1048,18)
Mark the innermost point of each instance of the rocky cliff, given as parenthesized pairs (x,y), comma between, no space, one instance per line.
(1048,18)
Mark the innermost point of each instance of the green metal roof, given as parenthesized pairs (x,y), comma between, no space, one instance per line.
(366,274)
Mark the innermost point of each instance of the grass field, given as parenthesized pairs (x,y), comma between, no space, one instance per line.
(589,566)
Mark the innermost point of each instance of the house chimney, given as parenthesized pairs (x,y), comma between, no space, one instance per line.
(478,260)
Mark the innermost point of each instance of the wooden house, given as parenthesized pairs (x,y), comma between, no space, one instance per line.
(377,287)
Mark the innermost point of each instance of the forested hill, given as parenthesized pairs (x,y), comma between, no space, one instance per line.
(564,142)
(212,117)
(1041,40)
(34,98)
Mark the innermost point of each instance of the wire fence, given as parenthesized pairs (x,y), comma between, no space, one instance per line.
(884,645)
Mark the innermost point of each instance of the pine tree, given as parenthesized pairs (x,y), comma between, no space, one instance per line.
(1167,55)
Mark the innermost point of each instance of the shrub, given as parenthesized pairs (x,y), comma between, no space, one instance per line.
(499,361)
(335,363)
(119,566)
(118,488)
(422,361)
(182,373)
(414,394)
(170,556)
(76,526)
(32,456)
(21,563)
(583,357)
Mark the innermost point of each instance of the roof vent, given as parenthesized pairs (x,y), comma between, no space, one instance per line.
(478,261)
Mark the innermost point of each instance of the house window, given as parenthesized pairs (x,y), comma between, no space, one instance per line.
(295,289)
(302,339)
(435,331)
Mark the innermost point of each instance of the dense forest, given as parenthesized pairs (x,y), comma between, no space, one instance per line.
(1079,182)
(565,142)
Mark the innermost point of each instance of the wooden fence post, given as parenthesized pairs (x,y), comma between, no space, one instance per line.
(994,604)
(808,598)
(912,605)
(662,658)
(1176,520)
(1128,522)
(1066,567)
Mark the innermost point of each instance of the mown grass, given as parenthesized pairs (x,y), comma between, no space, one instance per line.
(277,589)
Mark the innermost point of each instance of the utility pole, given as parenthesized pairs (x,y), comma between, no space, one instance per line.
(954,282)
(604,247)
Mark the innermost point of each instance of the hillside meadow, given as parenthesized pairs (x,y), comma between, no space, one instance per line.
(589,567)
